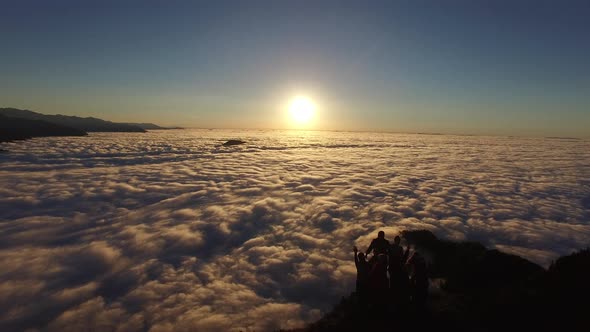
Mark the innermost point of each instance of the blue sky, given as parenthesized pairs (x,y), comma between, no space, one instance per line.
(475,67)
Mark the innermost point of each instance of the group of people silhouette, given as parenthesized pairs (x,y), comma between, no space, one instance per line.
(390,277)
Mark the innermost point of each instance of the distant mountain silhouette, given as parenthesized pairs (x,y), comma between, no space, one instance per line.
(479,290)
(145,126)
(85,124)
(148,126)
(18,129)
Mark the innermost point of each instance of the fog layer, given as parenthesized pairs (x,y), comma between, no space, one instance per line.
(168,230)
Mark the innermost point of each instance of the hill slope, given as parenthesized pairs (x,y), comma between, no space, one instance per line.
(18,129)
(477,289)
(85,124)
(146,126)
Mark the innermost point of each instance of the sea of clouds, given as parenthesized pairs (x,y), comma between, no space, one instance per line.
(168,230)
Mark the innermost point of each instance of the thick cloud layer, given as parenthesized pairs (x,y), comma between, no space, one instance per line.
(170,231)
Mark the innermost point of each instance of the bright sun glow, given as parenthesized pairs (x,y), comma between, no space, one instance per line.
(302,110)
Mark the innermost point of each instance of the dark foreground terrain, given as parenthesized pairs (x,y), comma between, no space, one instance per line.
(476,289)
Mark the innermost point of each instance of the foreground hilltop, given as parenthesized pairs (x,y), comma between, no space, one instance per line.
(476,289)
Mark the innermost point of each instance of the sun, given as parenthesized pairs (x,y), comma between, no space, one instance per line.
(302,110)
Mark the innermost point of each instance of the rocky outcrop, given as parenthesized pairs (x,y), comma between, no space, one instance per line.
(477,289)
(232,142)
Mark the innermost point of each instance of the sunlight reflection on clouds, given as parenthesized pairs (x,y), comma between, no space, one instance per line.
(169,230)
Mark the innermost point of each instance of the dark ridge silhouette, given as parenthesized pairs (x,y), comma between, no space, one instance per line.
(85,124)
(233,142)
(476,289)
(148,126)
(19,129)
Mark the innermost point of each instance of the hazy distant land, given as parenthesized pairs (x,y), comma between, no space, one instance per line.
(17,124)
(12,128)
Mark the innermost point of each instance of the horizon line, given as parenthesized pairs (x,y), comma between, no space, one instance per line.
(379,131)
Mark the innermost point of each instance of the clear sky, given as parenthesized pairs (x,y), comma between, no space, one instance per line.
(478,67)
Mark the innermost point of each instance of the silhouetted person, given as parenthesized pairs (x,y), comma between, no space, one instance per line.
(418,280)
(362,273)
(378,282)
(398,276)
(397,256)
(379,246)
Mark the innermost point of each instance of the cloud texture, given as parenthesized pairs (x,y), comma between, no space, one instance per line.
(168,231)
